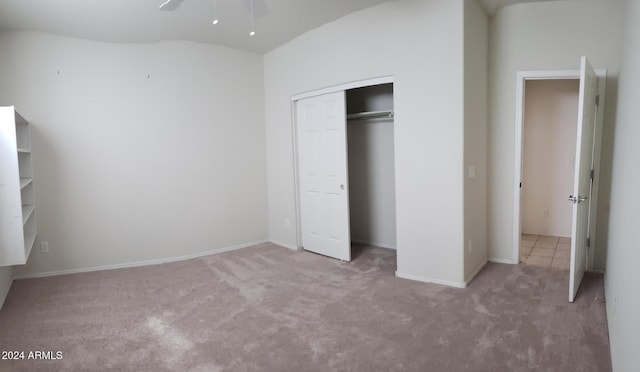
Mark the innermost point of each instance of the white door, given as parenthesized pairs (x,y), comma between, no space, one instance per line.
(582,180)
(322,169)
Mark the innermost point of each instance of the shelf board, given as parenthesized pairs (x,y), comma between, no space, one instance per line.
(24,182)
(29,241)
(27,211)
(23,150)
(19,119)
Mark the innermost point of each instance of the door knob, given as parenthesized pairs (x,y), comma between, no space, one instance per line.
(341,187)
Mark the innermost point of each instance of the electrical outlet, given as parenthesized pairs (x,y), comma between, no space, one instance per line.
(44,247)
(545,212)
(287,223)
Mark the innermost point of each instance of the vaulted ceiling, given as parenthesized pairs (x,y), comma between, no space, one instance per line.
(140,21)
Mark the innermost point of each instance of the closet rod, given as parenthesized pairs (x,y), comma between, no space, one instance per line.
(387,114)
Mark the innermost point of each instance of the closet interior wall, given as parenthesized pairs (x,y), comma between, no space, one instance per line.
(372,200)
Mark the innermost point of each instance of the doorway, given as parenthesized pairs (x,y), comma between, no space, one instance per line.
(345,175)
(548,167)
(583,196)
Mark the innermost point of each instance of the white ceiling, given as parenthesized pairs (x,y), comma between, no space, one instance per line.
(140,21)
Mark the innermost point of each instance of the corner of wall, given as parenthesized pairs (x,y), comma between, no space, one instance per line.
(475,178)
(6,279)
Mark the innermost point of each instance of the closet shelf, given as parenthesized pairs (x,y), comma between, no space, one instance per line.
(386,114)
(29,240)
(17,226)
(27,210)
(24,182)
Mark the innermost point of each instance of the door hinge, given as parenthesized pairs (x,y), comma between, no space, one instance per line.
(598,100)
(592,174)
(588,242)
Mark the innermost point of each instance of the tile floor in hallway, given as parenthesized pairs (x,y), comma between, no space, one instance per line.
(548,251)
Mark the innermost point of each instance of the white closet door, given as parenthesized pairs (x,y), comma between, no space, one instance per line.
(322,161)
(582,179)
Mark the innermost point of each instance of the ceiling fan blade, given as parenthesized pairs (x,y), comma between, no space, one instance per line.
(259,7)
(170,5)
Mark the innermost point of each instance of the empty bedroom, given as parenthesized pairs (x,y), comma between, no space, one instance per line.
(302,185)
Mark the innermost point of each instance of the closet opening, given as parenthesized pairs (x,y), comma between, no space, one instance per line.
(345,176)
(370,143)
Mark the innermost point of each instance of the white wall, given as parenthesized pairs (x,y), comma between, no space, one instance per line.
(476,40)
(549,151)
(544,36)
(419,42)
(141,151)
(622,275)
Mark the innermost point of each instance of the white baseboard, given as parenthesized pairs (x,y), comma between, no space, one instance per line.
(140,263)
(546,233)
(597,271)
(289,246)
(503,261)
(425,279)
(375,244)
(475,273)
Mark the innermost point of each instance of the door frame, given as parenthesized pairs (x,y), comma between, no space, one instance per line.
(294,131)
(521,78)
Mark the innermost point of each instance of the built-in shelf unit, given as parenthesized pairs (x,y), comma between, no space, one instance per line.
(17,201)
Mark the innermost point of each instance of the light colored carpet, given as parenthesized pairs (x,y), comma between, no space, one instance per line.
(267,308)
